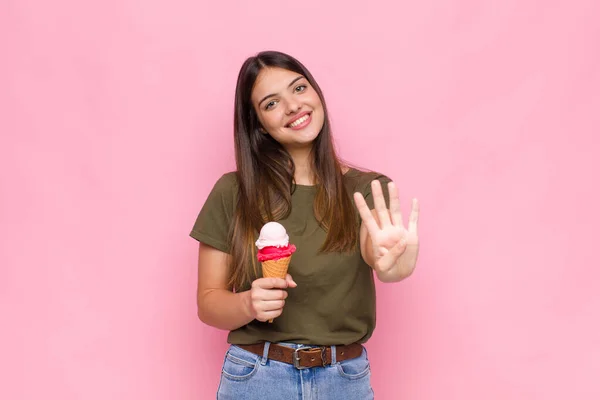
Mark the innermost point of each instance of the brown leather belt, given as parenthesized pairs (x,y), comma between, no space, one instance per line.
(305,357)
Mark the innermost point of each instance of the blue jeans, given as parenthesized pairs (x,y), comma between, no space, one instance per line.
(248,376)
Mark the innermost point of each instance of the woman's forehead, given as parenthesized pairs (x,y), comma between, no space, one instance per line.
(272,80)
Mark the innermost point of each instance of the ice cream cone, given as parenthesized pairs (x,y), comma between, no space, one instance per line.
(276,269)
(274,250)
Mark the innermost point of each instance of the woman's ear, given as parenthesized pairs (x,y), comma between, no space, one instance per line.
(262,130)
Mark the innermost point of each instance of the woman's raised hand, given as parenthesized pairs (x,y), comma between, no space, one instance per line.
(393,245)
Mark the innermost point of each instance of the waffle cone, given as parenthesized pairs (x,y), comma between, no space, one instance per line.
(276,269)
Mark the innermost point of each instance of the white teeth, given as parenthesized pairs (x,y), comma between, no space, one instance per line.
(299,121)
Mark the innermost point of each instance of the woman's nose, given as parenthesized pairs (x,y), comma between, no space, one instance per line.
(293,106)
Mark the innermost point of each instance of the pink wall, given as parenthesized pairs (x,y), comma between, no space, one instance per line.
(115,121)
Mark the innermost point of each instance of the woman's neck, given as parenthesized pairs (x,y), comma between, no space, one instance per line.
(303,166)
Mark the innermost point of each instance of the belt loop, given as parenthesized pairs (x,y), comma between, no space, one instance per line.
(333,355)
(265,355)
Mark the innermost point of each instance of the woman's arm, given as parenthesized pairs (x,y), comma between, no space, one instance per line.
(218,306)
(223,309)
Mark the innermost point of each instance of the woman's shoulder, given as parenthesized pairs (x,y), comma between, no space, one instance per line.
(227,182)
(225,189)
(359,180)
(360,177)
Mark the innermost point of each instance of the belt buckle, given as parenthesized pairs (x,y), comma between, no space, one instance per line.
(296,357)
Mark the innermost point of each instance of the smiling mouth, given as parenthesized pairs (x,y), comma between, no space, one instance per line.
(299,121)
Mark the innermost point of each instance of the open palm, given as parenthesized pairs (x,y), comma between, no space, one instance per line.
(392,243)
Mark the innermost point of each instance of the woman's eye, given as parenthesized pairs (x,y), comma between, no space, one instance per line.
(270,105)
(300,88)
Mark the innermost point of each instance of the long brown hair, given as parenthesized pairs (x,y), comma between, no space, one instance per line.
(265,175)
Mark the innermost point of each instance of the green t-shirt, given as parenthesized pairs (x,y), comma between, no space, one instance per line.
(334,302)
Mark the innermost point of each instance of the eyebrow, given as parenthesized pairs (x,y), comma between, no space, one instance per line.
(271,95)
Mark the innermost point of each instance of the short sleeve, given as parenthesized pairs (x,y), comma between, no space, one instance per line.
(384,180)
(216,216)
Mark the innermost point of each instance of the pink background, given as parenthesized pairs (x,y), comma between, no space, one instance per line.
(115,121)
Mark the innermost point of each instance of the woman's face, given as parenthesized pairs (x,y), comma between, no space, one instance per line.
(288,107)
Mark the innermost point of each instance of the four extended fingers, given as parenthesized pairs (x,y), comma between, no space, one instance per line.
(392,216)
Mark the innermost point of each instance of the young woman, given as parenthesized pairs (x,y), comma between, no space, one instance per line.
(324,310)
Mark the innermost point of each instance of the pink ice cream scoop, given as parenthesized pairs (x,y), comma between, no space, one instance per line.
(273,242)
(274,253)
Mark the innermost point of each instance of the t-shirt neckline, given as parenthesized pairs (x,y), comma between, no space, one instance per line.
(314,187)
